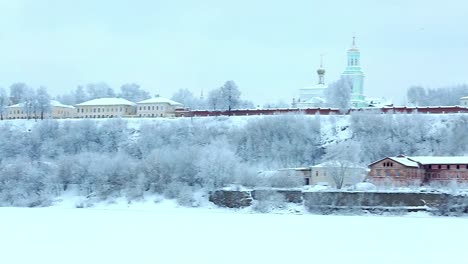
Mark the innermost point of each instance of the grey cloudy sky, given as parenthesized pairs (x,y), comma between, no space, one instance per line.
(269,48)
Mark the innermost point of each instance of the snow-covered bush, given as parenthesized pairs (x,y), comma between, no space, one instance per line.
(132,157)
(266,201)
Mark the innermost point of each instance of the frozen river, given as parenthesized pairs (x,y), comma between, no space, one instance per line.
(178,235)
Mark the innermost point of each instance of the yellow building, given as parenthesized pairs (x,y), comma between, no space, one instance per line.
(57,110)
(105,108)
(158,107)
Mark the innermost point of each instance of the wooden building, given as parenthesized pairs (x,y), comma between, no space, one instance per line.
(418,170)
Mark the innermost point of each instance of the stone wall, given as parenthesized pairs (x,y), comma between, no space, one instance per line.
(440,203)
(231,199)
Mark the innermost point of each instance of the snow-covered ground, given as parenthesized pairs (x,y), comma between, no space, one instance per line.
(165,233)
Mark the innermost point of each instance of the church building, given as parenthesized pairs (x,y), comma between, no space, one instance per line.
(355,74)
(315,96)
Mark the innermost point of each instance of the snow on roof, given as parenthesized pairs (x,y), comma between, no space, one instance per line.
(405,161)
(107,101)
(295,169)
(328,164)
(59,104)
(52,103)
(464,98)
(159,100)
(426,160)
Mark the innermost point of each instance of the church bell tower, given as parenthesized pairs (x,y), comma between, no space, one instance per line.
(355,74)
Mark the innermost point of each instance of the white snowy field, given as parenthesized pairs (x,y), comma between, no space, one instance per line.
(182,235)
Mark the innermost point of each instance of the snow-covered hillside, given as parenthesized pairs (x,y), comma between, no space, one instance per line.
(176,157)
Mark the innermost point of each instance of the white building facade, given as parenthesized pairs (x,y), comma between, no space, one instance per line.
(57,110)
(158,107)
(464,101)
(105,108)
(313,96)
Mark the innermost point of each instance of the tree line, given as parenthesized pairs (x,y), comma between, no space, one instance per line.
(443,96)
(177,158)
(35,103)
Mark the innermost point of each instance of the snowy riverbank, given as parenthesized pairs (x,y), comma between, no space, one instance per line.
(164,233)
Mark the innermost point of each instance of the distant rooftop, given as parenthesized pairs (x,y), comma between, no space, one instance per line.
(157,100)
(52,103)
(107,101)
(427,160)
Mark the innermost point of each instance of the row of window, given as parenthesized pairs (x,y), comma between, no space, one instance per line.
(446,167)
(353,62)
(412,174)
(100,116)
(151,107)
(150,115)
(100,109)
(116,109)
(388,164)
(446,176)
(317,173)
(440,167)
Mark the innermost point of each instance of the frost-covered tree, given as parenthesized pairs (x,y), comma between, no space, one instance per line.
(231,95)
(217,164)
(43,102)
(227,97)
(29,103)
(80,95)
(215,99)
(17,92)
(133,92)
(279,141)
(443,96)
(340,160)
(186,97)
(4,102)
(99,90)
(246,104)
(416,95)
(338,94)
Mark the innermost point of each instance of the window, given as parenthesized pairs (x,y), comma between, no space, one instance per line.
(458,167)
(316,173)
(440,167)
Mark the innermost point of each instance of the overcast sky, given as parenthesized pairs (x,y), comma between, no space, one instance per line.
(269,48)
